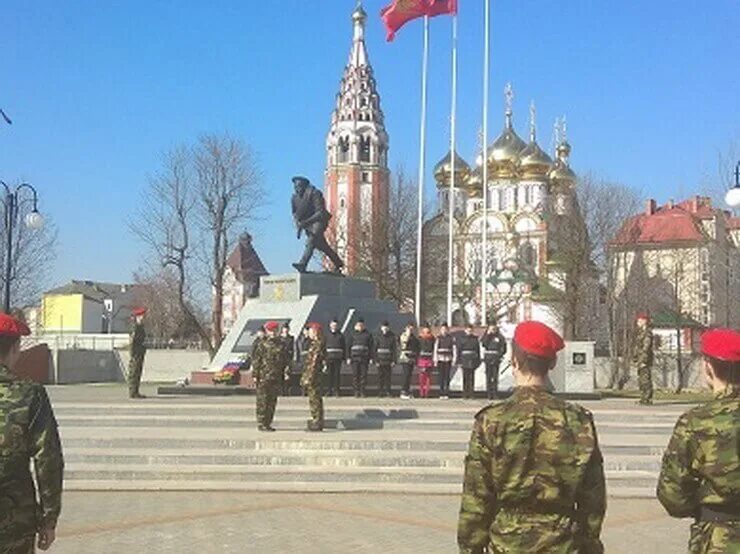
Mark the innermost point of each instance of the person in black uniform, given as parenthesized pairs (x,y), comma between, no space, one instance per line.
(289,341)
(468,357)
(408,352)
(385,357)
(335,349)
(494,349)
(444,354)
(310,215)
(302,344)
(359,353)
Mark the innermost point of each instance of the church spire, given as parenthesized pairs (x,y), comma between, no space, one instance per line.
(358,55)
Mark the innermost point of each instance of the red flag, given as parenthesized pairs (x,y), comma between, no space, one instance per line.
(441,7)
(400,12)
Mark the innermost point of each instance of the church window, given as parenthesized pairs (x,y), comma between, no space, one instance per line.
(343,149)
(365,177)
(527,254)
(503,200)
(527,195)
(365,149)
(363,102)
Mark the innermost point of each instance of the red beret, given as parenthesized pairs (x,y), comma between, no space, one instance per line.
(642,315)
(722,344)
(138,311)
(538,339)
(11,327)
(315,326)
(272,326)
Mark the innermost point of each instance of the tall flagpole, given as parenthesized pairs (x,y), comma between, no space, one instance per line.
(486,65)
(422,163)
(451,199)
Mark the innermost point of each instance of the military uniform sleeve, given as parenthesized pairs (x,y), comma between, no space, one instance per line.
(256,361)
(591,500)
(677,485)
(478,504)
(46,451)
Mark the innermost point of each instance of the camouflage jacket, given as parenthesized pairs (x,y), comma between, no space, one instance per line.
(314,363)
(270,359)
(28,431)
(138,338)
(701,467)
(642,353)
(534,478)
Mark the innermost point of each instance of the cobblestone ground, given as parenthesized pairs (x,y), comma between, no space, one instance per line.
(203,522)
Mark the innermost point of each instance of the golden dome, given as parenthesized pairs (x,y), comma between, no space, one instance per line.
(503,154)
(561,174)
(534,162)
(475,183)
(443,171)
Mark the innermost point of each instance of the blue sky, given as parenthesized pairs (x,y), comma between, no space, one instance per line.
(98,90)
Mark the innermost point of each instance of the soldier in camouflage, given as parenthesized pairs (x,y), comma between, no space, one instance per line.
(137,347)
(700,476)
(311,377)
(269,362)
(534,476)
(29,505)
(642,356)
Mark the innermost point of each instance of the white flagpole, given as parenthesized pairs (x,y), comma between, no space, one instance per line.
(451,245)
(422,163)
(486,66)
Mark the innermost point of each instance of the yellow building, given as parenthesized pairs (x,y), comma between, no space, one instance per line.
(87,307)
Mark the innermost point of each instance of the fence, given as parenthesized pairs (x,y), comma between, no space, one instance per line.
(105,342)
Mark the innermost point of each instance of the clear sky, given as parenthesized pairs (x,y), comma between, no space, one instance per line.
(98,90)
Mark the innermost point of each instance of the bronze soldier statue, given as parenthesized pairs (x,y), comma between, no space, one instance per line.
(700,476)
(137,348)
(29,503)
(310,215)
(534,475)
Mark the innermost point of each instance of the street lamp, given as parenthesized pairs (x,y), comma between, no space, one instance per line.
(33,220)
(733,195)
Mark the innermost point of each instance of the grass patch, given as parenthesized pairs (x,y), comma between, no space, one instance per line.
(689,396)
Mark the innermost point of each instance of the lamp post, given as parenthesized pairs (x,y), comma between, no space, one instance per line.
(33,220)
(733,195)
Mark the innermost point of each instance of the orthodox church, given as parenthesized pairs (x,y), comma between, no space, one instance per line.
(532,211)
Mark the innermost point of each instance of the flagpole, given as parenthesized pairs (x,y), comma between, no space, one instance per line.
(422,163)
(486,68)
(451,198)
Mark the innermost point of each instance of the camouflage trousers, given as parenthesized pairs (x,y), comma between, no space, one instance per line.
(267,393)
(135,367)
(645,382)
(23,545)
(315,404)
(714,538)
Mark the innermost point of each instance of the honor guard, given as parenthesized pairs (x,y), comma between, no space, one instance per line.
(359,352)
(30,502)
(534,475)
(408,347)
(700,475)
(494,349)
(642,356)
(269,363)
(137,346)
(444,354)
(335,352)
(468,358)
(289,342)
(385,358)
(311,377)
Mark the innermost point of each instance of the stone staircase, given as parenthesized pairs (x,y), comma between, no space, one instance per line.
(369,445)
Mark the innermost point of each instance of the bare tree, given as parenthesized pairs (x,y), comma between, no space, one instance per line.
(165,224)
(229,195)
(33,254)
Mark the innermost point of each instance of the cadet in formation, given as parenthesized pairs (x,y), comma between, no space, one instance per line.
(289,341)
(335,352)
(359,352)
(311,376)
(494,349)
(468,357)
(29,504)
(269,363)
(534,475)
(137,346)
(700,476)
(385,358)
(642,356)
(444,354)
(408,346)
(425,360)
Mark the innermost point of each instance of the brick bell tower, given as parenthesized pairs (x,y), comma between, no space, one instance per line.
(356,184)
